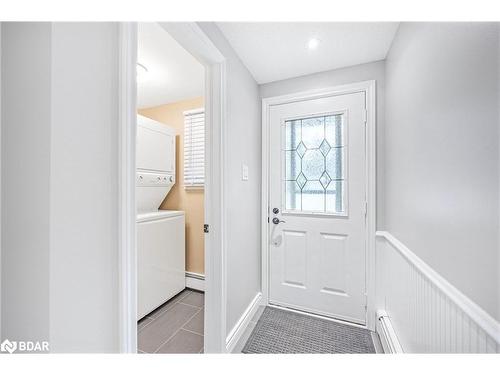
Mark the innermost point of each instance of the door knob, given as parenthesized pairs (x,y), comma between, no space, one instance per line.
(276,210)
(277,221)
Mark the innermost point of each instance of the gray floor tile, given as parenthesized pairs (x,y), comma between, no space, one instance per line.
(194,299)
(164,326)
(196,323)
(183,342)
(167,306)
(143,323)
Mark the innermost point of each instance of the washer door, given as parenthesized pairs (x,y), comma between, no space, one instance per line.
(160,262)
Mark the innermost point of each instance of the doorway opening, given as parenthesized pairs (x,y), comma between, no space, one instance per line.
(172,115)
(170,199)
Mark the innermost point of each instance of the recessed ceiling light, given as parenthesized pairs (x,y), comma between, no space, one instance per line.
(141,71)
(313,43)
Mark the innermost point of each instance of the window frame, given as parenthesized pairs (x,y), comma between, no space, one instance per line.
(189,183)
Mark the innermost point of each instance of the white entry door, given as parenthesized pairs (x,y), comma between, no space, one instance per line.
(317,207)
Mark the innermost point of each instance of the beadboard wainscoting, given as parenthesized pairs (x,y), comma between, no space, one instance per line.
(427,313)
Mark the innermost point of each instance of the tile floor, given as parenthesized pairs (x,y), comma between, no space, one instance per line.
(177,327)
(174,327)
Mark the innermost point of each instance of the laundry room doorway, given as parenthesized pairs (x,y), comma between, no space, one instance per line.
(172,116)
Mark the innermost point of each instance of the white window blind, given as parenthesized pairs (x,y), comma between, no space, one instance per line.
(194,148)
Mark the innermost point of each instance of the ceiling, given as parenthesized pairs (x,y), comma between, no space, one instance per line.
(274,51)
(173,74)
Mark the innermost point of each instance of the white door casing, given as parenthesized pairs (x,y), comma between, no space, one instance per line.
(195,41)
(317,181)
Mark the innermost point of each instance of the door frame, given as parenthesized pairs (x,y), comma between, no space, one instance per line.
(369,88)
(191,37)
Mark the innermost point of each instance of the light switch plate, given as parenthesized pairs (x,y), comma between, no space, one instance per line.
(244,172)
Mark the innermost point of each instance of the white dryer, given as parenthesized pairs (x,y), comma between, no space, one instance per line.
(160,233)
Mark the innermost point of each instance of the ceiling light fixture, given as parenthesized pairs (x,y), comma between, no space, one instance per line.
(313,43)
(141,71)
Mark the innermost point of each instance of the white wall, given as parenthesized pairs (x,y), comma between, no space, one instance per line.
(441,152)
(242,197)
(0,180)
(26,120)
(83,194)
(59,185)
(358,73)
(498,228)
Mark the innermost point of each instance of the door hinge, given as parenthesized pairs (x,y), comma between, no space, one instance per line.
(206,228)
(366,209)
(365,116)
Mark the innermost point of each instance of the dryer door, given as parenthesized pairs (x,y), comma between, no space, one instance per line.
(155,146)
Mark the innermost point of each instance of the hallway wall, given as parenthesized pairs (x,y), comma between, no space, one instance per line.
(25,206)
(442,152)
(60,185)
(358,73)
(190,201)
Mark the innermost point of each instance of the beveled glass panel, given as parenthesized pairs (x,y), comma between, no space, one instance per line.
(313,131)
(333,130)
(334,163)
(334,197)
(292,134)
(313,197)
(292,165)
(313,162)
(292,195)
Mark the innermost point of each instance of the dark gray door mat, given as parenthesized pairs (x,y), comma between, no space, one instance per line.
(280,331)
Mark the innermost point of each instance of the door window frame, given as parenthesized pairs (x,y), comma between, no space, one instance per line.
(369,88)
(345,167)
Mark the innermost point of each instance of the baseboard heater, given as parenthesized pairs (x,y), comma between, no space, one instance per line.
(387,335)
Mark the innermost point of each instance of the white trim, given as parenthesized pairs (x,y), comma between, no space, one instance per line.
(195,281)
(194,40)
(299,310)
(1,23)
(126,188)
(369,88)
(241,325)
(191,37)
(485,321)
(387,335)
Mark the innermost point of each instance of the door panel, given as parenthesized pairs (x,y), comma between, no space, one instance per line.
(295,258)
(332,266)
(317,182)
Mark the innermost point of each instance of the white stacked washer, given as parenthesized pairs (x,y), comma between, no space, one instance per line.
(160,233)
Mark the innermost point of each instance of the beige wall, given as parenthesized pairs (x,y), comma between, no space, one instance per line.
(189,201)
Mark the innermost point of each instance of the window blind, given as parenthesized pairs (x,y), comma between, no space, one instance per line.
(194,148)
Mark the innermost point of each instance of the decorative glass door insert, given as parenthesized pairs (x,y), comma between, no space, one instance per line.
(314,165)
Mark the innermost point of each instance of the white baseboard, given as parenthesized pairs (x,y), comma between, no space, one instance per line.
(387,335)
(195,281)
(241,325)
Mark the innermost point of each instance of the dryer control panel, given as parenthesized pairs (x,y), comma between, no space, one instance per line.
(151,179)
